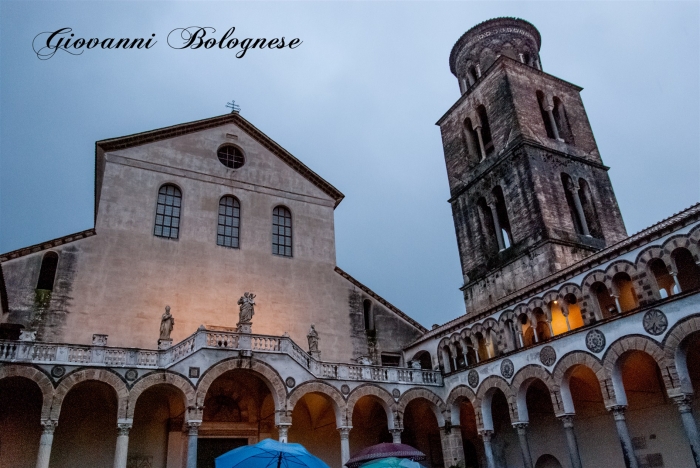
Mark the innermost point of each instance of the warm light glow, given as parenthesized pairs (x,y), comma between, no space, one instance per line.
(556,302)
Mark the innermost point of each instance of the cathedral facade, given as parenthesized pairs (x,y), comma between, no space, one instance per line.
(204,310)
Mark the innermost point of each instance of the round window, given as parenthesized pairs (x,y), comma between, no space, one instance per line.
(231,157)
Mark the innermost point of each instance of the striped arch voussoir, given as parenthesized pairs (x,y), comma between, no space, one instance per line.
(36,376)
(678,333)
(324,389)
(644,344)
(170,379)
(98,375)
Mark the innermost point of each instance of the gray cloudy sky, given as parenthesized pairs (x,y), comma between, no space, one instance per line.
(356,102)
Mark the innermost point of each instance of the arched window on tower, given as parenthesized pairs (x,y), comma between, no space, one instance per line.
(471,142)
(562,121)
(368,315)
(575,204)
(227,231)
(168,212)
(47,273)
(504,228)
(282,232)
(546,120)
(487,225)
(485,130)
(472,75)
(589,211)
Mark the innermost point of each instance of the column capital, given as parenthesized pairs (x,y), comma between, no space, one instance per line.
(123,428)
(684,403)
(618,412)
(571,185)
(193,427)
(486,434)
(49,425)
(344,431)
(520,426)
(567,420)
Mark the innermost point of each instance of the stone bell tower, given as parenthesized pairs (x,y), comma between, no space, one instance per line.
(529,191)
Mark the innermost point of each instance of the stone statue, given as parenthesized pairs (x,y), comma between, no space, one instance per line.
(313,339)
(247,303)
(166,324)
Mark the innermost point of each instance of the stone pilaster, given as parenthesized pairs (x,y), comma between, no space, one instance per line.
(568,421)
(45,443)
(624,435)
(684,403)
(521,428)
(452,449)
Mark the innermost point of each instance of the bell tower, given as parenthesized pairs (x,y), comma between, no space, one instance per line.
(529,191)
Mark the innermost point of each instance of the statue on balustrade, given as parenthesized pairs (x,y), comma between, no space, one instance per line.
(245,315)
(166,324)
(313,342)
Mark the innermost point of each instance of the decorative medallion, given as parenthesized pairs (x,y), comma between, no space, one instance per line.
(655,322)
(345,389)
(395,393)
(194,372)
(131,375)
(548,356)
(507,368)
(290,382)
(595,341)
(473,378)
(58,371)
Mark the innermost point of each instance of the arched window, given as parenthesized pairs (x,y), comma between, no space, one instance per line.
(472,142)
(227,231)
(664,281)
(606,303)
(282,232)
(168,212)
(589,211)
(688,270)
(502,227)
(368,315)
(562,121)
(545,118)
(542,329)
(47,274)
(627,297)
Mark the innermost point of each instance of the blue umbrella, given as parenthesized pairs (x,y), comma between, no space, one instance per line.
(269,454)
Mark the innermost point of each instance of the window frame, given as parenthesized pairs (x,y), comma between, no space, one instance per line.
(238,227)
(179,216)
(291,235)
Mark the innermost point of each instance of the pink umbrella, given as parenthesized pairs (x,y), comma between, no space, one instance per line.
(383,451)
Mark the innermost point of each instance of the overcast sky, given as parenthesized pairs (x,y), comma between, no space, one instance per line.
(357,102)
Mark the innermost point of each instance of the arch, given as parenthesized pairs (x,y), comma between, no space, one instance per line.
(377,393)
(563,369)
(571,288)
(100,375)
(547,461)
(675,242)
(621,266)
(282,233)
(339,403)
(168,208)
(271,378)
(368,314)
(484,396)
(674,353)
(435,401)
(521,382)
(185,387)
(456,396)
(36,376)
(612,361)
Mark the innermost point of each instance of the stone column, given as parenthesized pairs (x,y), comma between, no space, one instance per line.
(553,123)
(488,451)
(451,441)
(478,70)
(684,403)
(344,444)
(396,435)
(520,335)
(481,142)
(521,427)
(463,85)
(496,223)
(488,347)
(122,450)
(192,433)
(568,422)
(616,297)
(573,190)
(675,280)
(283,430)
(475,347)
(624,436)
(45,443)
